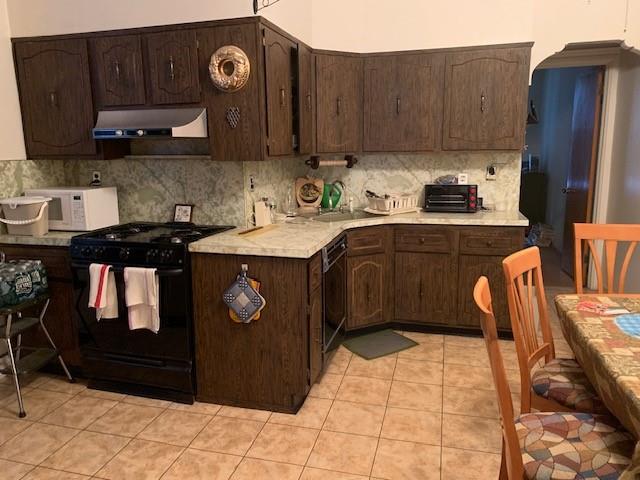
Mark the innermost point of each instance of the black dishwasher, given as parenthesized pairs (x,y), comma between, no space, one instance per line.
(334,293)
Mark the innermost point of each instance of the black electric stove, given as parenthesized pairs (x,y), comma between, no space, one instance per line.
(139,361)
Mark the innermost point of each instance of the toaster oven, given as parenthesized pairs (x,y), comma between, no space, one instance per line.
(451,198)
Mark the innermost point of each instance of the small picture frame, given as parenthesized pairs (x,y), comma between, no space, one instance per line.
(182,213)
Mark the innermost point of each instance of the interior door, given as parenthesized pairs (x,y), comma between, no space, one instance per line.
(585,135)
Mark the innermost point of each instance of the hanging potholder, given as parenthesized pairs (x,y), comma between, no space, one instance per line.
(243,299)
(256,286)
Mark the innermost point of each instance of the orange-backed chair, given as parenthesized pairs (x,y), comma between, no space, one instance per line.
(559,384)
(611,234)
(550,445)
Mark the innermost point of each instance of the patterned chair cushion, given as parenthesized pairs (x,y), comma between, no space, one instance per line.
(564,381)
(568,446)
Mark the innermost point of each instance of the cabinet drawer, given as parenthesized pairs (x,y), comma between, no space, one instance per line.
(425,239)
(365,241)
(491,241)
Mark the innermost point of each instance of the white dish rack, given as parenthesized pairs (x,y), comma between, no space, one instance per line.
(392,204)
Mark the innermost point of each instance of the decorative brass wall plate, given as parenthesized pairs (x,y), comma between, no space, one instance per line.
(229,68)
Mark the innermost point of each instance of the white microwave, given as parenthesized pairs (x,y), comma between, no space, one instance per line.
(80,208)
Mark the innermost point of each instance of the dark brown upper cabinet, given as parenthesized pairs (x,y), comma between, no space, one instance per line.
(55,97)
(118,73)
(338,103)
(278,52)
(172,59)
(485,99)
(305,100)
(403,102)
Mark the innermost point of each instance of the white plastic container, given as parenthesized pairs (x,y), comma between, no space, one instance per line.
(26,215)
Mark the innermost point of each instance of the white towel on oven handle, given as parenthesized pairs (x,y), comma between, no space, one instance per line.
(102,291)
(142,295)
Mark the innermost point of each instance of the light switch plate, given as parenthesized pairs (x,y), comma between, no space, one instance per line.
(492,172)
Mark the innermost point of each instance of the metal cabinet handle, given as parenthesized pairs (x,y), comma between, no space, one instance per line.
(489,243)
(397,105)
(339,105)
(53,99)
(421,290)
(282,97)
(116,67)
(569,190)
(309,101)
(483,103)
(172,73)
(421,240)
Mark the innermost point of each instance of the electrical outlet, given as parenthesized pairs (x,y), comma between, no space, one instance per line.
(96,178)
(463,179)
(252,183)
(492,172)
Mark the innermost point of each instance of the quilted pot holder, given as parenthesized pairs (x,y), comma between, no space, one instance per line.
(243,299)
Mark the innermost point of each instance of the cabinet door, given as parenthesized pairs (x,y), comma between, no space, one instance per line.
(338,103)
(55,95)
(485,99)
(426,288)
(403,102)
(369,290)
(471,268)
(278,51)
(118,70)
(315,335)
(173,67)
(305,101)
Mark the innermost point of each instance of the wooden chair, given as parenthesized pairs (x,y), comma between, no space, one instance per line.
(611,234)
(550,445)
(547,383)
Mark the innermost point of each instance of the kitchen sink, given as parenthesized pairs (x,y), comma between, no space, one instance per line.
(342,216)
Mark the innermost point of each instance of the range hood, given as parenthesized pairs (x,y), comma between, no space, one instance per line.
(158,123)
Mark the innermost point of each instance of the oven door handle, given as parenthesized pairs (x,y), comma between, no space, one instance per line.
(169,272)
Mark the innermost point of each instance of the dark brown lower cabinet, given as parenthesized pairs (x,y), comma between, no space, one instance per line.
(316,357)
(59,316)
(368,283)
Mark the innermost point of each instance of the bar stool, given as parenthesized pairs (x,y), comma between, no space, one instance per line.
(12,325)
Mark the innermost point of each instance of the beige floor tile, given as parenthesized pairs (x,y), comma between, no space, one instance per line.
(175,427)
(6,391)
(91,392)
(12,470)
(79,412)
(254,469)
(412,426)
(42,473)
(356,418)
(200,465)
(10,427)
(142,460)
(418,371)
(469,401)
(34,380)
(146,402)
(471,433)
(372,391)
(125,419)
(283,443)
(468,377)
(467,356)
(457,464)
(376,368)
(36,443)
(86,453)
(245,413)
(318,474)
(339,363)
(327,386)
(417,396)
(62,385)
(228,435)
(311,415)
(37,404)
(197,407)
(343,452)
(424,337)
(405,460)
(464,341)
(428,351)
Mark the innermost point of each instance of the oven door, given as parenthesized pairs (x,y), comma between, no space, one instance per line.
(113,352)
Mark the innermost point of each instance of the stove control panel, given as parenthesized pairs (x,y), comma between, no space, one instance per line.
(132,255)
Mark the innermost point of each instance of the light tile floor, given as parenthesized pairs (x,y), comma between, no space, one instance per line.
(425,413)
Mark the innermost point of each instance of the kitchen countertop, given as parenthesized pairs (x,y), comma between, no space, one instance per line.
(51,239)
(304,237)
